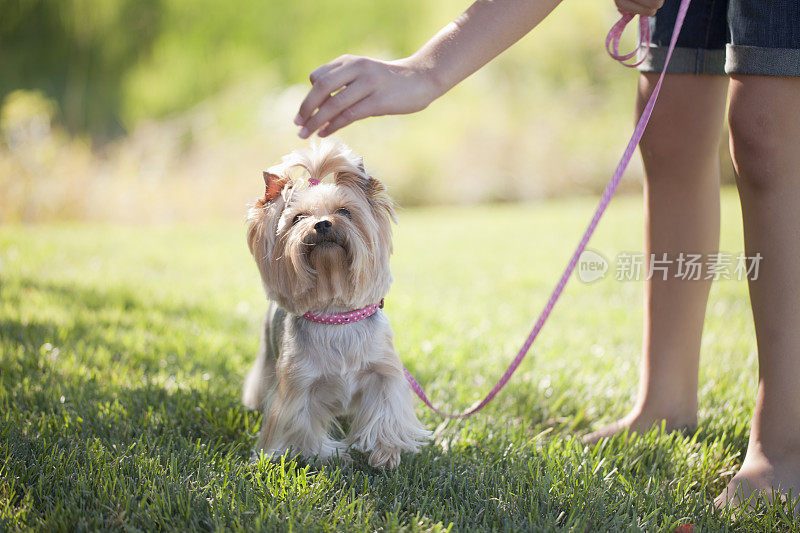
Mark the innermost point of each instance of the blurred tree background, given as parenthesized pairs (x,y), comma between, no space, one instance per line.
(78,53)
(111,63)
(151,110)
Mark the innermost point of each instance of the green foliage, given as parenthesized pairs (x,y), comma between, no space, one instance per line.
(123,350)
(110,63)
(77,52)
(208,45)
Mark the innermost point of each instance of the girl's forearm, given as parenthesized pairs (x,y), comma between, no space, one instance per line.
(476,37)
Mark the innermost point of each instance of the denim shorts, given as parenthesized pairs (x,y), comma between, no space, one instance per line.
(728,37)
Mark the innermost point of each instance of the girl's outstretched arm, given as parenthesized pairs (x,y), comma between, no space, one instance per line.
(365,87)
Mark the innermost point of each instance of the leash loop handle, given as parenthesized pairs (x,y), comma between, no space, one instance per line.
(612,44)
(615,35)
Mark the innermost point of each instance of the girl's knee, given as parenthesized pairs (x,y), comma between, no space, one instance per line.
(764,138)
(682,137)
(752,141)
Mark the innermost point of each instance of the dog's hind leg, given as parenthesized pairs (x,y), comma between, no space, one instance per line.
(261,378)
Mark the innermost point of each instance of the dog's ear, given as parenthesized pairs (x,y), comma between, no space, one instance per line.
(379,199)
(263,215)
(274,185)
(349,173)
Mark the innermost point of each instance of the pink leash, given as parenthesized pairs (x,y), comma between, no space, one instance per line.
(612,45)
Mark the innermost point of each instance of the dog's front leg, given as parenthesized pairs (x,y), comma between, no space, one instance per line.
(299,420)
(385,424)
(261,378)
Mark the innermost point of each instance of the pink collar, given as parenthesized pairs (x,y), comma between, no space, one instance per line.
(340,319)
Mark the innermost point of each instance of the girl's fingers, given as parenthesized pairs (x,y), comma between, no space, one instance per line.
(627,6)
(367,107)
(313,77)
(320,71)
(324,85)
(647,8)
(334,105)
(637,7)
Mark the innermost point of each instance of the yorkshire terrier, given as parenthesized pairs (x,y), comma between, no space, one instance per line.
(326,347)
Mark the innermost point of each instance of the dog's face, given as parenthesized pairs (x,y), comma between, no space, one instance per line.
(324,247)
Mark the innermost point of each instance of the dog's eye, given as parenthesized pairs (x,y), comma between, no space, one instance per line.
(344,212)
(297,218)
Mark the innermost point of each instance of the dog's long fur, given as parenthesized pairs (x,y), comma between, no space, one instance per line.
(307,374)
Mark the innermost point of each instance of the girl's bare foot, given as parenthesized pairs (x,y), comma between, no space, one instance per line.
(760,478)
(641,421)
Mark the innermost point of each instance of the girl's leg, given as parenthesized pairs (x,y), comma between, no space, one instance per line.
(765,142)
(681,195)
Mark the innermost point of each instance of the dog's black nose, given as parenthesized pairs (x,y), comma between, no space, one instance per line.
(323,226)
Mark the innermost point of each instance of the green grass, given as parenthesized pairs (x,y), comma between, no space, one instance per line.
(124,351)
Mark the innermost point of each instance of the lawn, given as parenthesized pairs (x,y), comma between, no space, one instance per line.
(123,351)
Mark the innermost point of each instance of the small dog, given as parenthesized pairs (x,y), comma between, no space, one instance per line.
(326,347)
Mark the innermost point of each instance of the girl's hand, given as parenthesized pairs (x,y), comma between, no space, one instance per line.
(646,8)
(350,88)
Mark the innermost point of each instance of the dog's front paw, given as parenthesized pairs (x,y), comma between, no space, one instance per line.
(334,450)
(384,458)
(343,458)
